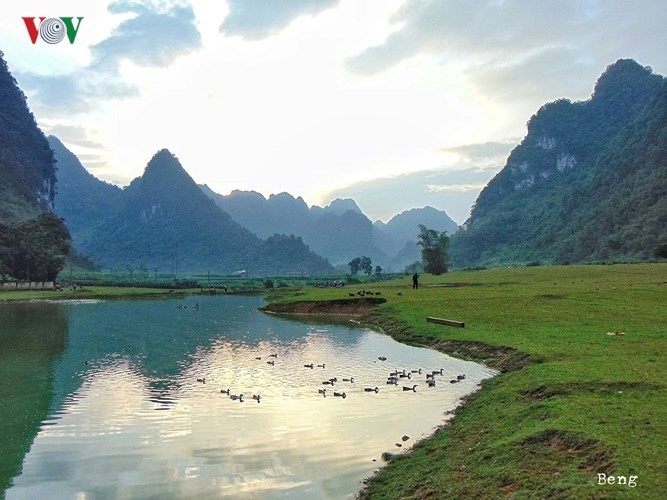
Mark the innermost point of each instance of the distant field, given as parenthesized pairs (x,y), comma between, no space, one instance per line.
(576,401)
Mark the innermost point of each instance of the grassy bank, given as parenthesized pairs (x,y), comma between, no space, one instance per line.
(573,402)
(90,292)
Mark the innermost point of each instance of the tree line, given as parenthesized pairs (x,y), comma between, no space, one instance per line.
(34,249)
(434,251)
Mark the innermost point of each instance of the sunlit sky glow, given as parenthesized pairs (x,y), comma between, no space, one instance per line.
(397,103)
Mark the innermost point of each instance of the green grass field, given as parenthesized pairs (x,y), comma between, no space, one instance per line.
(573,402)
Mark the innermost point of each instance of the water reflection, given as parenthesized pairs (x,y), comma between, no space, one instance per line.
(142,413)
(32,337)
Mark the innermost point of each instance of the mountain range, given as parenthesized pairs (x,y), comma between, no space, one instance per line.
(339,231)
(587,183)
(164,220)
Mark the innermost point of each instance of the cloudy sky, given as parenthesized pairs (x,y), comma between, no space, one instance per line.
(396,103)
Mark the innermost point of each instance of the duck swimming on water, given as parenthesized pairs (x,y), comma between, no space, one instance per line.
(413,388)
(372,389)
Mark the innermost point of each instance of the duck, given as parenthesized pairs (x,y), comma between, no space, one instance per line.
(417,371)
(405,375)
(430,382)
(224,391)
(413,388)
(323,392)
(258,357)
(460,377)
(340,395)
(238,398)
(438,372)
(392,381)
(272,363)
(372,389)
(202,380)
(382,358)
(351,380)
(308,366)
(328,382)
(273,355)
(453,381)
(256,397)
(321,366)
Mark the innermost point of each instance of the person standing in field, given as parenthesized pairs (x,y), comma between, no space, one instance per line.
(415,281)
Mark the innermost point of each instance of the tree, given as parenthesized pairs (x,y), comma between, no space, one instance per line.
(5,251)
(366,265)
(38,248)
(355,265)
(435,250)
(378,272)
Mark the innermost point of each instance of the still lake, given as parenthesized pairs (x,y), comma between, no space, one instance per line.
(122,399)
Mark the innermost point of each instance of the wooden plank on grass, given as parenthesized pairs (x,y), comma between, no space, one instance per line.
(448,322)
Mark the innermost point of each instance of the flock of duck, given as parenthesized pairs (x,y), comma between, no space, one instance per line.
(394,378)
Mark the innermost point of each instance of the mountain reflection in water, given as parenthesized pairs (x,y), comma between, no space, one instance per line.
(138,410)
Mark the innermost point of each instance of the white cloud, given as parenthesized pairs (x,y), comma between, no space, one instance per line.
(455,188)
(257,19)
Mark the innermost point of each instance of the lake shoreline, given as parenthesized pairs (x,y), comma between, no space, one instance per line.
(502,359)
(581,351)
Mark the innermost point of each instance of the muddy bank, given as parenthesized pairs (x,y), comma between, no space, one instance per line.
(503,359)
(338,307)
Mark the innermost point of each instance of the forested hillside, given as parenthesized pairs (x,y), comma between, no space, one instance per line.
(163,221)
(81,197)
(34,243)
(27,167)
(587,183)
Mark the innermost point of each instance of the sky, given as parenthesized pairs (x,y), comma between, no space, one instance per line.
(395,103)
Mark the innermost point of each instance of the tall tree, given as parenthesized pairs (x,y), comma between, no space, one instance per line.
(38,248)
(435,250)
(366,265)
(355,265)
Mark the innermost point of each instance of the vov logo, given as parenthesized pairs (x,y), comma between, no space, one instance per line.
(53,29)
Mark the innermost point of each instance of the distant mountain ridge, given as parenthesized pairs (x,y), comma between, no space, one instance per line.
(81,197)
(339,231)
(552,202)
(163,220)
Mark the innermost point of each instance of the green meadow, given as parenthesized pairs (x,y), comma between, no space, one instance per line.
(572,401)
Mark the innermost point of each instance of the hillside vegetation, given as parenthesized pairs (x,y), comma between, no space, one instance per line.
(588,182)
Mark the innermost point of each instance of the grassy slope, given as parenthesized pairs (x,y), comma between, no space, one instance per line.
(585,403)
